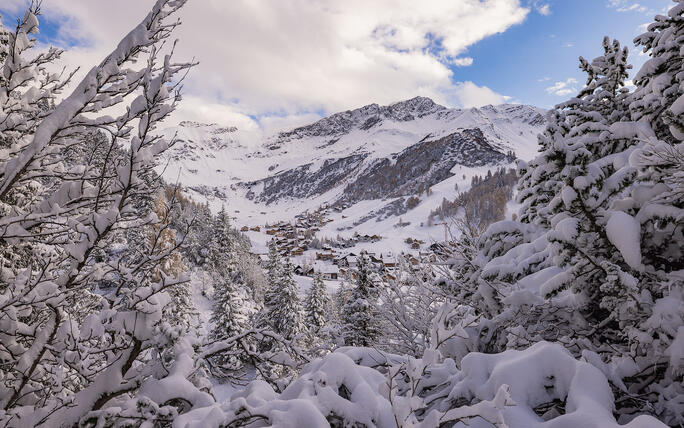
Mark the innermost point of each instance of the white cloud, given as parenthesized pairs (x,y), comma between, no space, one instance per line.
(568,45)
(636,7)
(287,58)
(628,6)
(462,62)
(541,6)
(563,88)
(467,94)
(544,9)
(544,79)
(200,110)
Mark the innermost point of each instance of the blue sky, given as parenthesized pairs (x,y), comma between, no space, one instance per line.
(528,58)
(277,63)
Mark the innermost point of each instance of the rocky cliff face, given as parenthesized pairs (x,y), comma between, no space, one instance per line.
(304,181)
(415,168)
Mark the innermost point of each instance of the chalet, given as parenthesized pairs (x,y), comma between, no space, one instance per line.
(255,229)
(329,272)
(347,261)
(244,228)
(390,264)
(325,256)
(297,252)
(415,245)
(271,232)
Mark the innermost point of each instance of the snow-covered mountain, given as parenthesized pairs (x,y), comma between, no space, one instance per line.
(363,162)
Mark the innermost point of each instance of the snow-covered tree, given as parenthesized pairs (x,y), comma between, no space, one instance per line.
(274,267)
(283,312)
(317,305)
(593,261)
(223,247)
(230,319)
(409,303)
(196,243)
(361,325)
(62,367)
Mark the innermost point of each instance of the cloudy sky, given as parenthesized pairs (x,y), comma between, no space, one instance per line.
(278,63)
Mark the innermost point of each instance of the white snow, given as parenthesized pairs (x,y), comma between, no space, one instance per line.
(624,231)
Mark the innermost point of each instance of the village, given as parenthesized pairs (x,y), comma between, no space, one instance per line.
(336,259)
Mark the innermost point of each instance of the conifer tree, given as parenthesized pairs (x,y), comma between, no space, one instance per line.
(588,179)
(222,251)
(230,319)
(274,267)
(274,271)
(285,311)
(601,226)
(196,248)
(318,305)
(340,299)
(659,101)
(360,313)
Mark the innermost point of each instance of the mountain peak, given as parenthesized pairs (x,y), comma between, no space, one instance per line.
(418,103)
(365,118)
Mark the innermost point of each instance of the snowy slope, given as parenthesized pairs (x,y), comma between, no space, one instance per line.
(352,159)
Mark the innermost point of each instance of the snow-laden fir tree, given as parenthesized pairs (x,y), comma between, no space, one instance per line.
(229,318)
(274,267)
(593,172)
(360,320)
(659,101)
(223,245)
(340,298)
(231,301)
(274,272)
(317,305)
(576,138)
(196,248)
(601,230)
(283,312)
(656,205)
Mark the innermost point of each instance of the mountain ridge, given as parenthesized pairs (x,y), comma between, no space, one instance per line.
(373,156)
